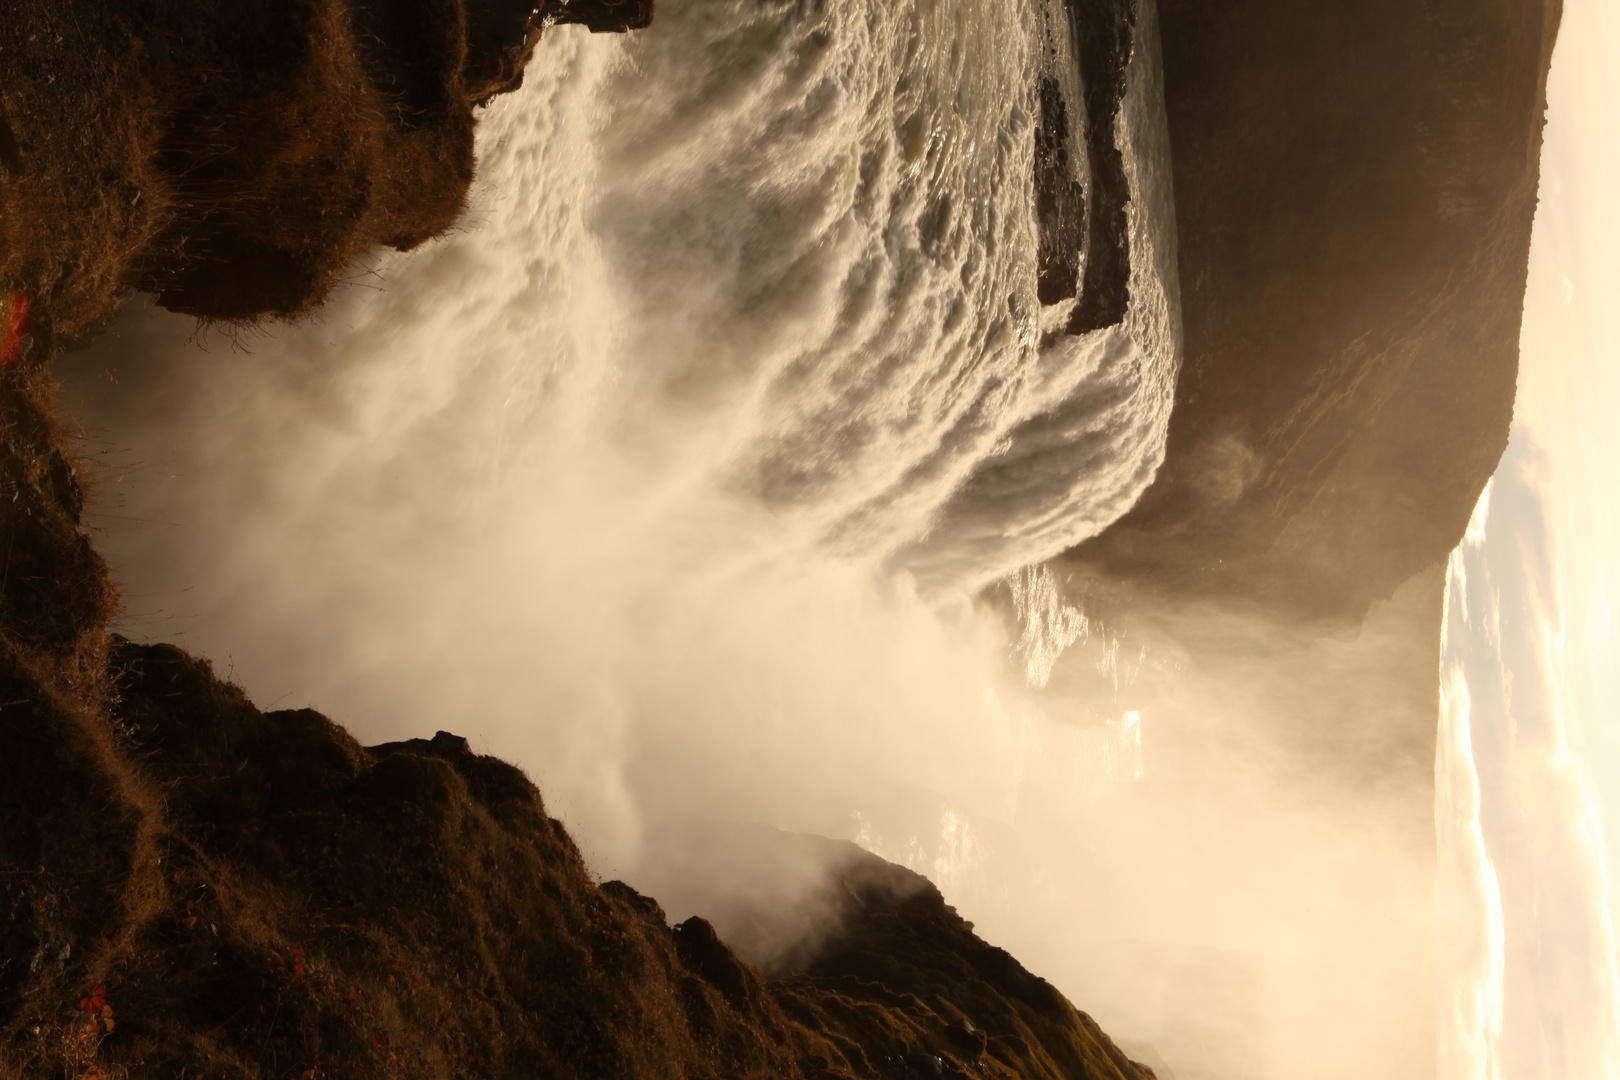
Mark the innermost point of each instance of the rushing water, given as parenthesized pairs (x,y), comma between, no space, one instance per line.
(702,432)
(814,226)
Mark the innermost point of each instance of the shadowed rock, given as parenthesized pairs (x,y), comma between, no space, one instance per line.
(1081,191)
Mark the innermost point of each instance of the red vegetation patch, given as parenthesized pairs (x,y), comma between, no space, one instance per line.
(11,331)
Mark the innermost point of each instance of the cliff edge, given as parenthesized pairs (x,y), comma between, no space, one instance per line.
(190,886)
(1355,184)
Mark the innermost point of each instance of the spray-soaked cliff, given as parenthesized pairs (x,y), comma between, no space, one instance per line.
(1354,189)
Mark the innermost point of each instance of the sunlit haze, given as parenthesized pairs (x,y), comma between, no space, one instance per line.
(1569,374)
(1529,767)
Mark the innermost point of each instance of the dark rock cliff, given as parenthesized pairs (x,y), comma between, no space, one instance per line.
(1355,184)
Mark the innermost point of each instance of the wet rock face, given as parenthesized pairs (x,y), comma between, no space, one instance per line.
(502,35)
(602,16)
(1104,32)
(1080,187)
(1060,198)
(1355,184)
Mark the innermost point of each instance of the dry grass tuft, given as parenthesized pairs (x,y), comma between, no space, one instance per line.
(237,157)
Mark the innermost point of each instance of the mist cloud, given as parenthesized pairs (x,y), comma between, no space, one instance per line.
(673,478)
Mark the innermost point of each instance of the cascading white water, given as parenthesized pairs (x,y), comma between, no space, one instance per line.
(702,431)
(818,240)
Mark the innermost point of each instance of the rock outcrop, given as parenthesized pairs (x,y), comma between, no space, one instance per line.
(1080,187)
